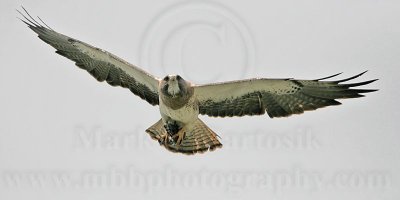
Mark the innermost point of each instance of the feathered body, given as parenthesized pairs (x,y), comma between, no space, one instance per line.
(181,130)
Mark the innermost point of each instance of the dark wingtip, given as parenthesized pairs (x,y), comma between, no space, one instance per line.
(38,27)
(44,23)
(25,22)
(320,79)
(363,90)
(29,21)
(353,77)
(358,84)
(369,90)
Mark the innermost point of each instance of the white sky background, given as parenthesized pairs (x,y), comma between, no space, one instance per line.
(59,128)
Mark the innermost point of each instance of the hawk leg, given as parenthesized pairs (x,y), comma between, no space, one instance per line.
(179,136)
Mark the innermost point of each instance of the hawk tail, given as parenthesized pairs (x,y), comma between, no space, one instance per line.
(196,138)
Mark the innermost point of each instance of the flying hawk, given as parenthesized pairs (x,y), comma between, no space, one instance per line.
(180,101)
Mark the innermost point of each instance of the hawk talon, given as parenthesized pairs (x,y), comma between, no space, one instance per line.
(181,135)
(163,139)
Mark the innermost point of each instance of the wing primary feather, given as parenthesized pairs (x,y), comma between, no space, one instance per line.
(358,84)
(25,22)
(45,23)
(362,90)
(37,23)
(353,77)
(320,79)
(31,23)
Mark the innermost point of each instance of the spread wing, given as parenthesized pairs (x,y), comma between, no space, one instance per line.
(277,97)
(101,64)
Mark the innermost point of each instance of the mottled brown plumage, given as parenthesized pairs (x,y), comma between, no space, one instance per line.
(180,101)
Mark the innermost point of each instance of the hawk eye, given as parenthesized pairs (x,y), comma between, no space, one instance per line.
(166,78)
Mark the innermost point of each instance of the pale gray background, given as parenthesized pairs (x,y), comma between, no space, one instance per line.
(63,135)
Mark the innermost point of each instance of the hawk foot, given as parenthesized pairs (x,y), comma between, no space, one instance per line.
(179,137)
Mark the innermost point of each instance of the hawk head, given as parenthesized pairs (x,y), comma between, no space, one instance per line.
(174,86)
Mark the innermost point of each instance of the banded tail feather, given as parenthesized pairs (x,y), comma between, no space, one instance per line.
(197,138)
